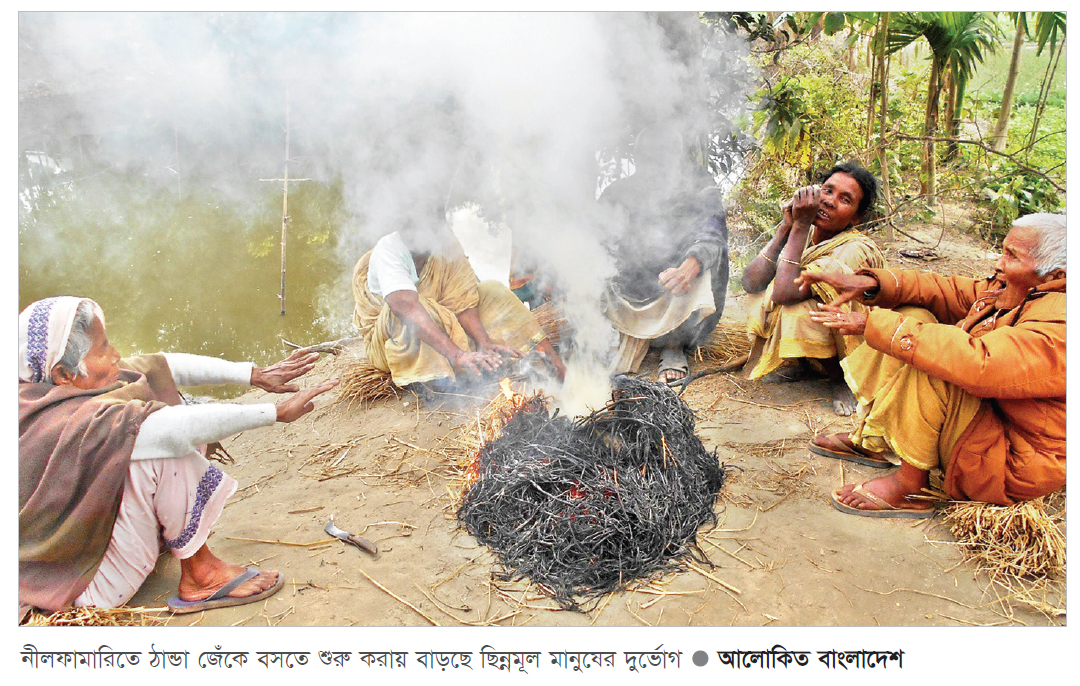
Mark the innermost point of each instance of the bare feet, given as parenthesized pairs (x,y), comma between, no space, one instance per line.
(892,489)
(203,573)
(673,365)
(843,400)
(671,375)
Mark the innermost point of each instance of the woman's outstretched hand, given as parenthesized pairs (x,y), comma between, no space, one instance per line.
(276,377)
(298,405)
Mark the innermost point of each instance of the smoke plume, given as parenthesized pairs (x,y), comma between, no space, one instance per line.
(405,112)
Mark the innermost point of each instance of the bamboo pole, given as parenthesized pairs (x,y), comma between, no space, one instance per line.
(176,145)
(285,181)
(285,203)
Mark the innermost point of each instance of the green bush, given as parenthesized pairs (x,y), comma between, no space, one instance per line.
(812,112)
(1017,193)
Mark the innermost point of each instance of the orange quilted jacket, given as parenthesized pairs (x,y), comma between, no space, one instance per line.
(1014,449)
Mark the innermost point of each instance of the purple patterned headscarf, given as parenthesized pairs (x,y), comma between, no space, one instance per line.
(44,329)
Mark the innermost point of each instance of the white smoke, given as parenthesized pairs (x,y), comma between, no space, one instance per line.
(403,110)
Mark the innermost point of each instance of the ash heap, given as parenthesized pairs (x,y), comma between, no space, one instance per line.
(586,507)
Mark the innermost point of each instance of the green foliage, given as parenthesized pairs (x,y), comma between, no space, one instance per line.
(812,111)
(1053,100)
(834,22)
(810,117)
(784,122)
(1017,193)
(959,42)
(752,25)
(1048,155)
(1049,29)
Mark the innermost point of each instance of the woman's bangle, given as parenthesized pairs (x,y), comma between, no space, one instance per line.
(762,253)
(784,259)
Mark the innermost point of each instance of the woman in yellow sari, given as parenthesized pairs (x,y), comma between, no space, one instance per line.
(815,235)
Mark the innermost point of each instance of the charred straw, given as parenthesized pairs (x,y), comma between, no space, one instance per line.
(584,508)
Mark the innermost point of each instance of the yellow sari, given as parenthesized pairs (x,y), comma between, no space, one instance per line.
(787,330)
(448,286)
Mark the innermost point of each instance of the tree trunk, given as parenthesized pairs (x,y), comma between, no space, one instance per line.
(875,80)
(1044,93)
(883,159)
(1001,131)
(929,176)
(952,121)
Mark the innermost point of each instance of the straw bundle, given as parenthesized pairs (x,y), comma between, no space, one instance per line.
(728,341)
(1025,540)
(551,322)
(362,382)
(96,616)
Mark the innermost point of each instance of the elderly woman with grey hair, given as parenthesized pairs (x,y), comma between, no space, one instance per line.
(957,374)
(111,464)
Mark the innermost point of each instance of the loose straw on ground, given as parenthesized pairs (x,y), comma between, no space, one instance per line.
(1020,547)
(727,341)
(390,593)
(322,541)
(95,616)
(1022,540)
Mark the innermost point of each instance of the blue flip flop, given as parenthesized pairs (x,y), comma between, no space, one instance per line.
(221,597)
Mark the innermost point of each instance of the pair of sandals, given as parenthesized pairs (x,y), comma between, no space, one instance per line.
(840,447)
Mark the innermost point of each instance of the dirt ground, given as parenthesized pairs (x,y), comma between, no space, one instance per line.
(783,556)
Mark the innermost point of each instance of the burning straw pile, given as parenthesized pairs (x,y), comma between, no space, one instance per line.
(584,508)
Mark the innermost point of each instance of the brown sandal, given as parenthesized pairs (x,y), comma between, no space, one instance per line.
(884,508)
(840,447)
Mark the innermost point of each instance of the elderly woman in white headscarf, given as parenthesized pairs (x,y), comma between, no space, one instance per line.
(111,464)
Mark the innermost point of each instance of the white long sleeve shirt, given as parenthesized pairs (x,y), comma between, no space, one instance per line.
(181,429)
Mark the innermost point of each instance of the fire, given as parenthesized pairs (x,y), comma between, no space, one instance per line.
(508,392)
(498,413)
